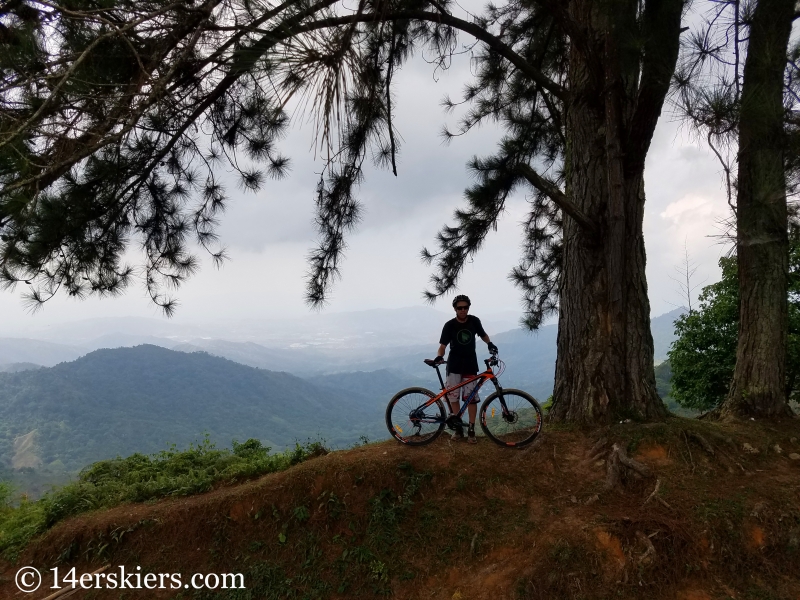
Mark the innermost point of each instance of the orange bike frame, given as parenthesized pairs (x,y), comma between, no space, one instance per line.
(487,375)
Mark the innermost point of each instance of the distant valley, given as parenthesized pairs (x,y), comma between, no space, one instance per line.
(92,405)
(142,399)
(371,340)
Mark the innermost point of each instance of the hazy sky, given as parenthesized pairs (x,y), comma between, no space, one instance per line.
(269,234)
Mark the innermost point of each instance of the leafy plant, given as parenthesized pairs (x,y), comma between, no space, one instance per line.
(6,490)
(139,478)
(702,357)
(301,514)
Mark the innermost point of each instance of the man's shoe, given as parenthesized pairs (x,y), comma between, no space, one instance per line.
(471,434)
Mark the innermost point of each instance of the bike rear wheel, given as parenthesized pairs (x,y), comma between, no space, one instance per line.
(410,423)
(511,418)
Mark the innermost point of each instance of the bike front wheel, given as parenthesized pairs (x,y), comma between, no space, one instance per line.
(511,418)
(410,421)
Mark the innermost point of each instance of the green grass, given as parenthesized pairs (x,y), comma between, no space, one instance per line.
(140,478)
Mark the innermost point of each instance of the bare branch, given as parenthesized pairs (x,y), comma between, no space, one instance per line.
(557,196)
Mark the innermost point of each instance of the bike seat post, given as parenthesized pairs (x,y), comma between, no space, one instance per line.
(441,381)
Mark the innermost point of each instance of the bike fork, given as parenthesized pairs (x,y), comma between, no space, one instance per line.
(499,389)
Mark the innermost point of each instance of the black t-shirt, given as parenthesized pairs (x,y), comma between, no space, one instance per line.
(461,338)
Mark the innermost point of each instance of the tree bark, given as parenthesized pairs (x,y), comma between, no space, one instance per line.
(759,378)
(604,369)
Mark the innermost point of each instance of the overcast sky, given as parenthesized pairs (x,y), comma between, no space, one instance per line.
(269,234)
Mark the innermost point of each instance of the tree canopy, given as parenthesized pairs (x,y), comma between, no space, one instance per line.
(703,355)
(114,116)
(710,78)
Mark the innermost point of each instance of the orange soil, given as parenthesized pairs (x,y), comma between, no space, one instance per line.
(484,522)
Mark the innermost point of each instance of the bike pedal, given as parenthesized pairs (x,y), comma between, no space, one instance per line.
(454,421)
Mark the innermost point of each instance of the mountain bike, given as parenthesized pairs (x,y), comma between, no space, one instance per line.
(512,418)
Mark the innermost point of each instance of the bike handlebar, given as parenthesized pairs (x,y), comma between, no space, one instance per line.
(489,362)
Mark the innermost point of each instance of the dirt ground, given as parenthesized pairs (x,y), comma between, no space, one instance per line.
(702,511)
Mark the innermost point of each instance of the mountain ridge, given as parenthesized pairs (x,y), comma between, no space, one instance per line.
(142,399)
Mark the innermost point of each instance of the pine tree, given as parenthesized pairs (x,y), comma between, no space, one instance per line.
(743,106)
(114,116)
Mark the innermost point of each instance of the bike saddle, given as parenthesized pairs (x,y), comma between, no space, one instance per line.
(431,362)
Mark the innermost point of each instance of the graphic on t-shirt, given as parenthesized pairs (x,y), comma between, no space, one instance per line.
(464,336)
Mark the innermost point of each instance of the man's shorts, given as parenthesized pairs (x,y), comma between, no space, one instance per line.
(463,392)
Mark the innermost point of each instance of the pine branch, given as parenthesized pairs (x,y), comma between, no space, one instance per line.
(12,136)
(114,153)
(492,41)
(558,197)
(78,149)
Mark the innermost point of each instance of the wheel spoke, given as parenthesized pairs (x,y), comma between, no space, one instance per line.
(513,421)
(410,421)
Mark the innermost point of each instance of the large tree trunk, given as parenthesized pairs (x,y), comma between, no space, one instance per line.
(604,369)
(759,378)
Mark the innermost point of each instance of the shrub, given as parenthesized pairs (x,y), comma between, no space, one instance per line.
(139,478)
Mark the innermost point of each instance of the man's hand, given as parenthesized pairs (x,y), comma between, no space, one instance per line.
(438,360)
(492,348)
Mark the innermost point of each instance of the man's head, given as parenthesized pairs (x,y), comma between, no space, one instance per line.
(461,305)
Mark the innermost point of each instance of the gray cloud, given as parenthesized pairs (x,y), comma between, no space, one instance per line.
(269,233)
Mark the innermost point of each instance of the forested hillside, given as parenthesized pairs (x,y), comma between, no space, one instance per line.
(39,352)
(145,398)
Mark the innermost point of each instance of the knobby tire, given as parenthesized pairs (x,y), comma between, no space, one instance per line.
(516,428)
(405,424)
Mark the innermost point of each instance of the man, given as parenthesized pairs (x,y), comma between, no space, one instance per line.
(462,362)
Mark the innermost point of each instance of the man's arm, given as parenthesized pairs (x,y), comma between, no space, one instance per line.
(489,344)
(444,339)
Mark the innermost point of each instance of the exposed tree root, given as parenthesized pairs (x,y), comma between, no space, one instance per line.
(649,554)
(710,449)
(655,492)
(634,465)
(597,451)
(706,445)
(722,439)
(654,496)
(689,450)
(613,475)
(731,459)
(597,448)
(597,456)
(619,460)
